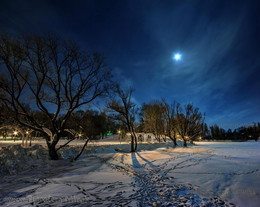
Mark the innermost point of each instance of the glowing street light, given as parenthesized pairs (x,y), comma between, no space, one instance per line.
(15,133)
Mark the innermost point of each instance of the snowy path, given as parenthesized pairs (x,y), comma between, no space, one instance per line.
(197,176)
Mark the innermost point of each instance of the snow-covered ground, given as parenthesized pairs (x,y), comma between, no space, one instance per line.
(208,174)
(230,170)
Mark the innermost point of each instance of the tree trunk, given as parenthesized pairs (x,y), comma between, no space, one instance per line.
(175,142)
(132,144)
(135,142)
(81,150)
(65,144)
(175,139)
(184,142)
(164,139)
(52,148)
(52,152)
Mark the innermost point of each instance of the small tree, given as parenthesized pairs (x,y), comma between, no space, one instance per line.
(54,77)
(153,118)
(125,111)
(189,122)
(169,114)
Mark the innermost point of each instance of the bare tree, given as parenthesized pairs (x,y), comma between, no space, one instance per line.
(51,75)
(189,122)
(153,118)
(169,113)
(125,111)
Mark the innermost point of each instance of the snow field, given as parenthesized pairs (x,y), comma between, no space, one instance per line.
(208,174)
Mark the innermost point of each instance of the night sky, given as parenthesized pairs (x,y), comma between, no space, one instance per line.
(219,41)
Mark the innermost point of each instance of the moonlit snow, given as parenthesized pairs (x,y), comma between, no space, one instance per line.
(208,174)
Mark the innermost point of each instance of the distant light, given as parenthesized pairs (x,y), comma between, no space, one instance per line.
(177,56)
(15,132)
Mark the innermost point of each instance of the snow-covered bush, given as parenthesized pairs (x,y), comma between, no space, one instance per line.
(15,158)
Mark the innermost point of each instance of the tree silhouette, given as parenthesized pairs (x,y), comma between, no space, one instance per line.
(125,111)
(54,77)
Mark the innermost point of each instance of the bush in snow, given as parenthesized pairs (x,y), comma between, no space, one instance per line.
(15,158)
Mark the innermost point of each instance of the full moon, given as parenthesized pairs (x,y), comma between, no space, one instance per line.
(177,56)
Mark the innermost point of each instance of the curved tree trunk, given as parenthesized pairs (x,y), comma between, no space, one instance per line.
(174,141)
(82,149)
(164,139)
(52,147)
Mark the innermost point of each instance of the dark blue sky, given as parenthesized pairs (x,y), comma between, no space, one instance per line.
(219,40)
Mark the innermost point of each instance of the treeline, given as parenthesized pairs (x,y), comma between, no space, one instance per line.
(240,134)
(163,120)
(172,121)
